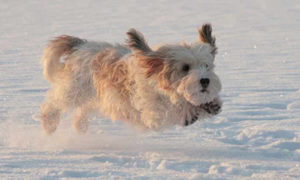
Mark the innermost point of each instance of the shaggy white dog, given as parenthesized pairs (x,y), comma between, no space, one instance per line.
(151,89)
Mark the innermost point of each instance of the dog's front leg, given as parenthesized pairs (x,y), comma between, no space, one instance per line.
(214,107)
(205,111)
(152,119)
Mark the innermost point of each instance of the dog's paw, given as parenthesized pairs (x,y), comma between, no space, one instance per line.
(213,107)
(188,122)
(49,125)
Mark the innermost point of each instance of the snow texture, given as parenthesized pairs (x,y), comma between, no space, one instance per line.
(257,135)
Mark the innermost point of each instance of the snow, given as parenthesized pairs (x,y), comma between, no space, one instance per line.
(255,137)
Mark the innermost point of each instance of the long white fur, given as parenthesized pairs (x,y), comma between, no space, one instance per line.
(98,76)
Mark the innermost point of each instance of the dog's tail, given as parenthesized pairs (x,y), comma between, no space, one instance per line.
(57,48)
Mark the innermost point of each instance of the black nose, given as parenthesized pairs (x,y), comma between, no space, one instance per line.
(204,82)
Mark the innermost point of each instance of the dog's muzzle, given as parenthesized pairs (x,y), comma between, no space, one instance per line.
(204,84)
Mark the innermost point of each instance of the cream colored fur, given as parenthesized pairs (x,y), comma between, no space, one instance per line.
(150,89)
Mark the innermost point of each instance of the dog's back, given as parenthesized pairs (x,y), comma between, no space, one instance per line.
(65,50)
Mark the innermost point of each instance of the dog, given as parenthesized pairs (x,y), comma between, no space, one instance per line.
(152,89)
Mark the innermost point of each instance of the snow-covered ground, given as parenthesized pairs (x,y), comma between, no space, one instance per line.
(257,136)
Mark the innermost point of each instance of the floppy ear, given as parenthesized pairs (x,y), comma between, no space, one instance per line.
(137,42)
(152,64)
(184,44)
(205,36)
(148,59)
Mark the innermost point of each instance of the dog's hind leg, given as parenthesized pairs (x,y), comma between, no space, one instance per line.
(80,118)
(50,116)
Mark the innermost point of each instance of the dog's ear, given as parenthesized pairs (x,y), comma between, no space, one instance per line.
(205,36)
(153,64)
(148,59)
(137,42)
(184,44)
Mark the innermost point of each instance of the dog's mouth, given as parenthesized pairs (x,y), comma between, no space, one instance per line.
(204,90)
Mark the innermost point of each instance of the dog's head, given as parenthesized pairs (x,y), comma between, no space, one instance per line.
(186,70)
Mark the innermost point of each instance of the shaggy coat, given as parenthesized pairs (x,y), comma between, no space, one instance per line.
(150,89)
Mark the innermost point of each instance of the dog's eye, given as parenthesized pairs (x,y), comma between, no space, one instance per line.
(206,66)
(185,68)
